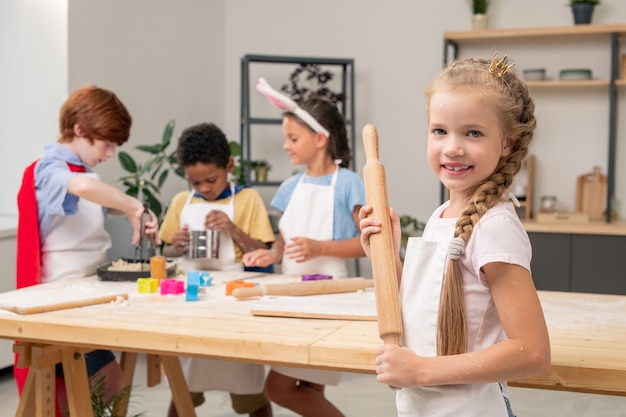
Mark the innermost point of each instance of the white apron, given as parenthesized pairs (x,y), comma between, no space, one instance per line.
(193,215)
(207,374)
(420,289)
(310,214)
(75,244)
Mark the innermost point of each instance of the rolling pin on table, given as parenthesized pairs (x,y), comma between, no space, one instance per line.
(305,288)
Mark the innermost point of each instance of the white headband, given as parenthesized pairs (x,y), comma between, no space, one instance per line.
(286,104)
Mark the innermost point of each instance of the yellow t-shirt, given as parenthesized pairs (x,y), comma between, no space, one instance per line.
(250,216)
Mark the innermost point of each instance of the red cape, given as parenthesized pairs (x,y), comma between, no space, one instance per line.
(28,263)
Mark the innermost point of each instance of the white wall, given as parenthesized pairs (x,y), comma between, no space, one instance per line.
(33,84)
(397,47)
(182,60)
(164,59)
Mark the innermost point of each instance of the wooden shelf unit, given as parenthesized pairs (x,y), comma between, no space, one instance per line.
(539,32)
(345,74)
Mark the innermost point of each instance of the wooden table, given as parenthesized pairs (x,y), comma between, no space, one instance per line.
(588,335)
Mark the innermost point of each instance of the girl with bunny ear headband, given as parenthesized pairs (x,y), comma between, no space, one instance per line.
(286,104)
(318,227)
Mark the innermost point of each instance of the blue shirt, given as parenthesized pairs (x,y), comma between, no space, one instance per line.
(52,176)
(349,193)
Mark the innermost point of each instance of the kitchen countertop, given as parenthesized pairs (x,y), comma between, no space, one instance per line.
(617,228)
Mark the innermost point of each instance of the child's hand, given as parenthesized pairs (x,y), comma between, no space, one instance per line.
(399,367)
(218,220)
(135,216)
(151,228)
(368,226)
(302,249)
(180,241)
(259,258)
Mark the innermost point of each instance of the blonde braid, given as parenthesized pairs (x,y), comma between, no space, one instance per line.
(515,110)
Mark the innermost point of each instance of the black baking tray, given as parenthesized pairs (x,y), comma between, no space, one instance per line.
(105,275)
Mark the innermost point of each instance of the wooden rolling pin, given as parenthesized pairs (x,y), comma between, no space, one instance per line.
(327,286)
(382,256)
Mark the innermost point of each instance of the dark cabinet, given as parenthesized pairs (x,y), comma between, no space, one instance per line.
(551,261)
(599,264)
(579,262)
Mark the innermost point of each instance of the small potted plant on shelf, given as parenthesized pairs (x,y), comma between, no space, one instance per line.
(480,19)
(583,10)
(260,168)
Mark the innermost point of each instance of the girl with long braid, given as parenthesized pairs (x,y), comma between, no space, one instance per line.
(472,318)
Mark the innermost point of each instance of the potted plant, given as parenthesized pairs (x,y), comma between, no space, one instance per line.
(145,180)
(479,8)
(583,10)
(113,406)
(261,168)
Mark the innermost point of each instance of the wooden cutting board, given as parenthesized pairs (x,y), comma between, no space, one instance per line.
(56,296)
(591,194)
(360,305)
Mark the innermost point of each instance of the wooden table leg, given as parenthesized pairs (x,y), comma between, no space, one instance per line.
(76,383)
(38,396)
(153,370)
(178,385)
(128,361)
(27,406)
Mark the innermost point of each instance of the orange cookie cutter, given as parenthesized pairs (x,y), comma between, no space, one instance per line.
(231,285)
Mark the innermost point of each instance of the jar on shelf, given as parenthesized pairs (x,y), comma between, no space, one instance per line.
(548,204)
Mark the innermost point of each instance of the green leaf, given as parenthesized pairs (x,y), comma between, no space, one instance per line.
(162,178)
(153,149)
(151,187)
(127,181)
(167,134)
(127,162)
(153,163)
(180,172)
(133,191)
(235,148)
(156,172)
